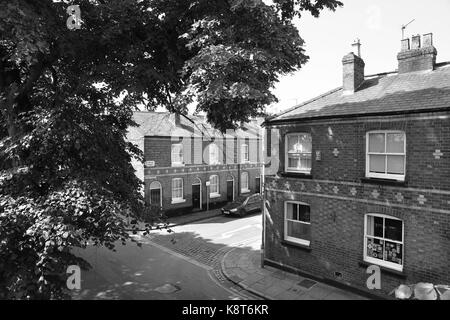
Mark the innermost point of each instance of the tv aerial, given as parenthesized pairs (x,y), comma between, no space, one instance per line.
(404,27)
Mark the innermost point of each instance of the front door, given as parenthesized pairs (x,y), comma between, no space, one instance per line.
(196,196)
(155,197)
(258,185)
(230,190)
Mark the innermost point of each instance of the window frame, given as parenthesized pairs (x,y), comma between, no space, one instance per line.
(285,223)
(214,194)
(178,199)
(245,190)
(214,147)
(389,176)
(376,261)
(286,153)
(245,155)
(174,163)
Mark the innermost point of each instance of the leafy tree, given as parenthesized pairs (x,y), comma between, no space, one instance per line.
(66,101)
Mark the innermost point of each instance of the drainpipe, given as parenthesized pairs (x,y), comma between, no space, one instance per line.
(263,195)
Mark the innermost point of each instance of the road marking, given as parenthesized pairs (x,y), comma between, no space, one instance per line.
(229,234)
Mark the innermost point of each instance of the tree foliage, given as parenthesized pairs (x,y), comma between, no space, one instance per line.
(66,101)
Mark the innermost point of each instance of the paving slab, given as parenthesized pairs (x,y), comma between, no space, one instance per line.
(272,283)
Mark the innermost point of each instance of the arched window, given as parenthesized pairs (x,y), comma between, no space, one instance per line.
(155,193)
(383,241)
(214,185)
(244,182)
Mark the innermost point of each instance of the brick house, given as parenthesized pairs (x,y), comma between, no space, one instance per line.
(364,176)
(189,166)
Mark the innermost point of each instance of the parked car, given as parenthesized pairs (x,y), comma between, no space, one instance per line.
(243,205)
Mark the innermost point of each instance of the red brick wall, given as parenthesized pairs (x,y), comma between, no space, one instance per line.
(339,200)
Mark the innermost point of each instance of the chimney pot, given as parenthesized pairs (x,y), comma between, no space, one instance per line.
(427,40)
(415,42)
(405,45)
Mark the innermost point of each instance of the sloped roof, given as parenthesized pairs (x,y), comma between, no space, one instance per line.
(164,124)
(387,93)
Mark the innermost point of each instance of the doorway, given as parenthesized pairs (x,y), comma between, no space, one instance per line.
(230,190)
(197,194)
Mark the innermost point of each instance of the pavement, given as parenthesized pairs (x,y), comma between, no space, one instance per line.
(243,267)
(193,217)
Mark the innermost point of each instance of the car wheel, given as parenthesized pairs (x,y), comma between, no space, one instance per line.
(242,213)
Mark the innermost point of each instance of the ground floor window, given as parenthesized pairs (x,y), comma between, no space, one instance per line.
(297,222)
(383,241)
(244,182)
(177,189)
(214,185)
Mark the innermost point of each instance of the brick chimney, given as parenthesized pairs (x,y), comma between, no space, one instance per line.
(417,55)
(353,66)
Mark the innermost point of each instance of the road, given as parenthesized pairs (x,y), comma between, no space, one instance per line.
(181,265)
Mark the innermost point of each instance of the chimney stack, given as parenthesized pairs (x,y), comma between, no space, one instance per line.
(420,56)
(353,67)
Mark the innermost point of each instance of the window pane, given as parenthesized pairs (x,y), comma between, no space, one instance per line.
(299,230)
(375,248)
(396,164)
(376,142)
(292,143)
(393,252)
(292,211)
(305,161)
(395,143)
(293,162)
(377,164)
(375,226)
(305,142)
(304,213)
(393,229)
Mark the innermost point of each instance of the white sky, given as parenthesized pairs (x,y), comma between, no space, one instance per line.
(377,24)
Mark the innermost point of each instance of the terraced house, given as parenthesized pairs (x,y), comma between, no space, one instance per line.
(364,176)
(189,166)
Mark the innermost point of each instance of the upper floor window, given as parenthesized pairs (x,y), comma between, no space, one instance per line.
(244,182)
(298,152)
(213,153)
(386,155)
(177,190)
(383,241)
(245,154)
(214,185)
(177,154)
(297,222)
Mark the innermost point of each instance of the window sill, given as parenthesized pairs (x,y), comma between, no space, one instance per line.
(177,164)
(214,195)
(245,191)
(297,175)
(176,201)
(398,274)
(386,182)
(288,243)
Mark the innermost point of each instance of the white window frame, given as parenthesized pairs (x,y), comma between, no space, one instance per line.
(286,153)
(293,239)
(177,163)
(372,260)
(246,189)
(214,151)
(390,176)
(214,193)
(245,153)
(156,185)
(178,199)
